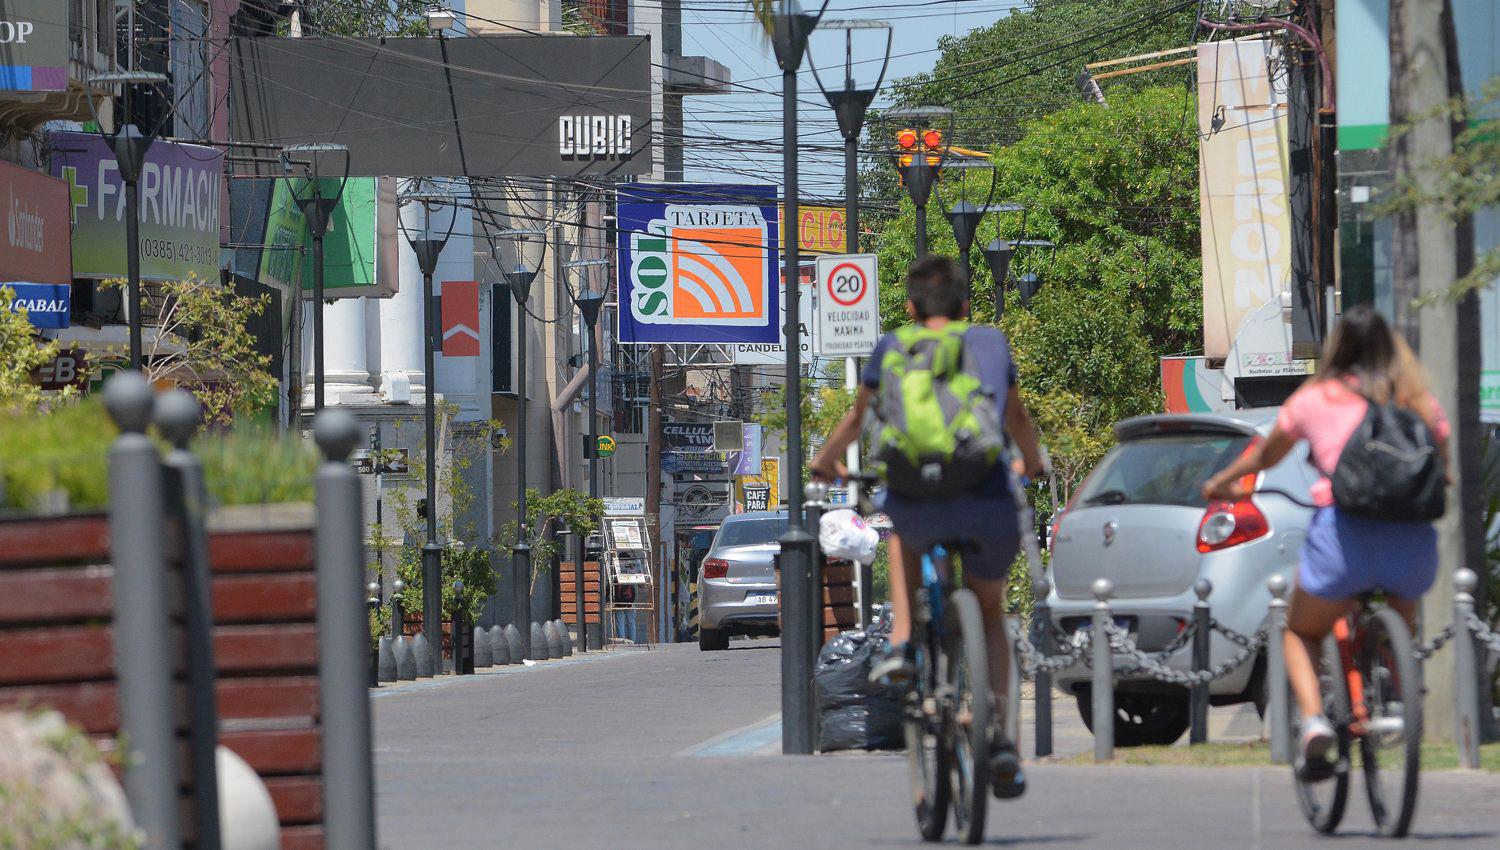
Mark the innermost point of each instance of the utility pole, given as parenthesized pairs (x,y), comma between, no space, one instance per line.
(1428,257)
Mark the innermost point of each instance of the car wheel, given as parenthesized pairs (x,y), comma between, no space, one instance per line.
(1141,719)
(712,640)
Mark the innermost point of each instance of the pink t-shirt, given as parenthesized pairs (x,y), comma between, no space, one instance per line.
(1325,414)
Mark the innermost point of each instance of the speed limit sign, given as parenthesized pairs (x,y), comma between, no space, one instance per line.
(848,305)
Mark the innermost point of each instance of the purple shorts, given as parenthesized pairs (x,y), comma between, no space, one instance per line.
(1346,556)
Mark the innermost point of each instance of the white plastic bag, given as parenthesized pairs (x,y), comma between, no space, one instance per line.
(845,535)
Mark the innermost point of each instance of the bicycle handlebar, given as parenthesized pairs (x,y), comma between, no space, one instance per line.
(1272,491)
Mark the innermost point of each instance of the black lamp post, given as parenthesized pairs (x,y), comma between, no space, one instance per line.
(921,157)
(999,254)
(590,299)
(318,211)
(789,36)
(520,278)
(965,216)
(130,146)
(427,244)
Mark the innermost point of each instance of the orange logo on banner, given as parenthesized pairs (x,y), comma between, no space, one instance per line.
(718,273)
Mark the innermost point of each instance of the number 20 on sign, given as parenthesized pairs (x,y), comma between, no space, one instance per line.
(848,305)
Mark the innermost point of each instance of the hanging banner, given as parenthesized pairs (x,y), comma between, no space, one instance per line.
(1243,183)
(748,461)
(179,205)
(349,248)
(698,264)
(460,300)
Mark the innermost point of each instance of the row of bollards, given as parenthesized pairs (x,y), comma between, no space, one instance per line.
(409,658)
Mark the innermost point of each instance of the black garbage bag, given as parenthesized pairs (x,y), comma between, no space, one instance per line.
(855,713)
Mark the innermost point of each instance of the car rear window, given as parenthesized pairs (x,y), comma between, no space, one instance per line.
(1166,469)
(749,532)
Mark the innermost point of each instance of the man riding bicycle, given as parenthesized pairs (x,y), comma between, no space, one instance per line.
(983,517)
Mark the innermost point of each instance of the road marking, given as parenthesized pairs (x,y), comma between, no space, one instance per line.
(757,739)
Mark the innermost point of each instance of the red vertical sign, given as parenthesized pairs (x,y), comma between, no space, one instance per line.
(460,318)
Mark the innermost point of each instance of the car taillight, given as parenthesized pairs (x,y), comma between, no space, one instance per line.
(715,568)
(1227,524)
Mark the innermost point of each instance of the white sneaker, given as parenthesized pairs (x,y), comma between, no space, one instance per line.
(1313,745)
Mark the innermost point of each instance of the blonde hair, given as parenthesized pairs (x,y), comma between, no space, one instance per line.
(1363,347)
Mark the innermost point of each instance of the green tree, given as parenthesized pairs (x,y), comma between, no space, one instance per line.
(22,352)
(363,18)
(575,511)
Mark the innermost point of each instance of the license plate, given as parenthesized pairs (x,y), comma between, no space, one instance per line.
(761,599)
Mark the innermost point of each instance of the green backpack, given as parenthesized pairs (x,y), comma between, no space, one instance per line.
(937,427)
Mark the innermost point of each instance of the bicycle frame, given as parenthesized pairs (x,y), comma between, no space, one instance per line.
(935,584)
(1349,636)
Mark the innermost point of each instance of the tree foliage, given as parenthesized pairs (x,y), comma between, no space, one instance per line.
(363,18)
(576,512)
(21,354)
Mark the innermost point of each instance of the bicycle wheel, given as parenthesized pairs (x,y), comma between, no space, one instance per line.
(1391,748)
(973,715)
(1323,802)
(929,757)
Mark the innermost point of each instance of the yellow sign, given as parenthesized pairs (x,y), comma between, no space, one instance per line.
(821,230)
(764,489)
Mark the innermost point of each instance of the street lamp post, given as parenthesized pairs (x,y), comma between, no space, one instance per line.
(849,106)
(789,36)
(427,244)
(519,279)
(964,217)
(130,146)
(999,254)
(919,167)
(318,211)
(590,299)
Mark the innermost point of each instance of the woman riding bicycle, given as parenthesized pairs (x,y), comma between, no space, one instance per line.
(1345,556)
(984,518)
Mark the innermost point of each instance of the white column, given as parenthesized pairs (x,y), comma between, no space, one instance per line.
(401,315)
(345,364)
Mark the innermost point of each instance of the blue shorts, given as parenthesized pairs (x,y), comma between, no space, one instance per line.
(987,522)
(1346,556)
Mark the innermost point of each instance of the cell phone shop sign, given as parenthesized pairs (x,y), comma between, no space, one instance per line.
(179,208)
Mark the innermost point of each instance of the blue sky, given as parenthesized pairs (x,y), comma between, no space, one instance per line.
(722,130)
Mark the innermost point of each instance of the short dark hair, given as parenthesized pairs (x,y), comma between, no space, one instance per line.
(936,287)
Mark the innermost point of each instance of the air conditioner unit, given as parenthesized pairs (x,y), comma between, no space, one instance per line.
(729,436)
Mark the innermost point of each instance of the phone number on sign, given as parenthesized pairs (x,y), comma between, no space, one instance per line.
(179,252)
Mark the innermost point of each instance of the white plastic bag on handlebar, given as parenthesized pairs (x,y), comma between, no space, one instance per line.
(843,534)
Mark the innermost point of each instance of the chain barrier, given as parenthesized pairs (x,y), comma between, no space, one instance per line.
(1429,649)
(1034,660)
(1482,631)
(1146,663)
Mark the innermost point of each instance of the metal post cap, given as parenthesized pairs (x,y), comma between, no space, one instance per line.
(1103,589)
(1278,586)
(1466,580)
(177,415)
(815,491)
(398,585)
(1040,588)
(373,587)
(336,434)
(128,398)
(458,586)
(1203,587)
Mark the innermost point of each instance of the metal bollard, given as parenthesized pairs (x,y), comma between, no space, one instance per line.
(540,651)
(457,631)
(143,648)
(482,656)
(386,651)
(372,601)
(1013,685)
(499,647)
(553,638)
(1466,729)
(513,642)
(1202,636)
(343,638)
(1040,589)
(423,652)
(406,659)
(398,618)
(178,416)
(1276,681)
(1104,673)
(814,493)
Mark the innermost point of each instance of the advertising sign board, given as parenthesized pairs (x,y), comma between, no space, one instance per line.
(768,479)
(34,247)
(34,45)
(848,305)
(349,248)
(624,506)
(180,190)
(820,230)
(701,501)
(46,304)
(697,264)
(774,354)
(687,436)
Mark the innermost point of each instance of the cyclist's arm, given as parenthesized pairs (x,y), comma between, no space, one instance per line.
(829,464)
(1021,429)
(1228,483)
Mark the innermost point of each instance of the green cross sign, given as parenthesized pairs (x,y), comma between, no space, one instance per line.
(78,194)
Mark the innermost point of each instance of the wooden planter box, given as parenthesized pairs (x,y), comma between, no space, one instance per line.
(56,610)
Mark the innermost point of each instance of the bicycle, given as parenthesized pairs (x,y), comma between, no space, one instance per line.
(1372,694)
(948,711)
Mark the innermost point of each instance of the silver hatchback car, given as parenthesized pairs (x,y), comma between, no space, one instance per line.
(1140,520)
(737,580)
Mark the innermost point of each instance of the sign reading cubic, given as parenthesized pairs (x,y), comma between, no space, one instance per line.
(179,194)
(33,45)
(698,264)
(848,305)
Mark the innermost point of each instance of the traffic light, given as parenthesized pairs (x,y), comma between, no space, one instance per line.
(909,142)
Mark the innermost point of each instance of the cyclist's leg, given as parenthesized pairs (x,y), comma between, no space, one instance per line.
(991,595)
(1309,619)
(904,583)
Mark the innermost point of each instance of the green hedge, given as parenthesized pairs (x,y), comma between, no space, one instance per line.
(64,450)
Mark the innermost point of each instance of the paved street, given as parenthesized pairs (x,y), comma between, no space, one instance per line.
(674,748)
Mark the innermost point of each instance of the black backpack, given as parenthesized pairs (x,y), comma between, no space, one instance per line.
(1391,469)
